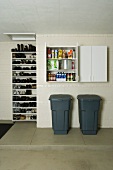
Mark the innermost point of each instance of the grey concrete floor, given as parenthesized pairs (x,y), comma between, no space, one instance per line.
(25,147)
(56,160)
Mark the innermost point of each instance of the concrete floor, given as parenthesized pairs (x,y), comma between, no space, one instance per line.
(26,147)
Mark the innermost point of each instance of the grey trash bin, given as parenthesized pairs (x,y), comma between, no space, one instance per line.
(88,113)
(60,106)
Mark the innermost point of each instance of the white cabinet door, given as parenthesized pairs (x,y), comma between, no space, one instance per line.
(99,63)
(93,63)
(85,64)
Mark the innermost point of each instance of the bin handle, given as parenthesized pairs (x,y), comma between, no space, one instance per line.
(61,99)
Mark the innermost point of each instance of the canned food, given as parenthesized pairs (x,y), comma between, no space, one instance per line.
(53,53)
(56,53)
(60,53)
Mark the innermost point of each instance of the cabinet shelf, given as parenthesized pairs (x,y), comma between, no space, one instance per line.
(25,120)
(18,101)
(25,70)
(23,64)
(23,83)
(24,89)
(62,81)
(24,58)
(21,101)
(63,70)
(24,117)
(24,113)
(61,58)
(32,95)
(24,52)
(26,108)
(24,76)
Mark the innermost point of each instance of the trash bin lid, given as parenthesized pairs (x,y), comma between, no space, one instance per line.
(88,97)
(60,97)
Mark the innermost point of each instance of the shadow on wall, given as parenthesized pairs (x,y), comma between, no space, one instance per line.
(108,65)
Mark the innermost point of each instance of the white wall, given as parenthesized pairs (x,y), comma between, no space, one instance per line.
(45,89)
(105,90)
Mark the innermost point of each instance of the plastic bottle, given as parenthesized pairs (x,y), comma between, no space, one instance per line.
(56,53)
(73,65)
(53,53)
(49,76)
(49,53)
(67,76)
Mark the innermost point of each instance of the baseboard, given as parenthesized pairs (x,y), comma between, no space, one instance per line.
(6,122)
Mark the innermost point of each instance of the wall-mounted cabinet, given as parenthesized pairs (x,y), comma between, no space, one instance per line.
(93,63)
(62,64)
(24,86)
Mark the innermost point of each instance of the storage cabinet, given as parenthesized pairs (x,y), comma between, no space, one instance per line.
(24,86)
(62,64)
(93,63)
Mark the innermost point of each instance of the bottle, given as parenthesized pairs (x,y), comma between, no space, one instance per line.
(49,53)
(56,76)
(53,53)
(69,54)
(74,76)
(18,47)
(73,53)
(67,76)
(30,47)
(56,53)
(49,76)
(22,47)
(26,48)
(60,52)
(73,65)
(51,79)
(71,77)
(64,54)
(64,76)
(60,75)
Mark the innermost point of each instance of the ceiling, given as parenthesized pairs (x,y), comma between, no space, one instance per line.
(56,17)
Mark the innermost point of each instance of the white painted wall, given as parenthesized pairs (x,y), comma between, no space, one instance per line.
(45,89)
(105,90)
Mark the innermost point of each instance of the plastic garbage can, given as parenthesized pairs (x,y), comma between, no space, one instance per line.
(60,106)
(88,106)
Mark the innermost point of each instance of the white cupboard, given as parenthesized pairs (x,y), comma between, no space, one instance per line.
(93,63)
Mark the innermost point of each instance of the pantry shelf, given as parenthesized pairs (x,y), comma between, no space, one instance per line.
(62,64)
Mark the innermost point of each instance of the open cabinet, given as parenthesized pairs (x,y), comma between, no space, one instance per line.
(61,63)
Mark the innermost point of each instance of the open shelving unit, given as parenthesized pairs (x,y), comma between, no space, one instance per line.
(24,86)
